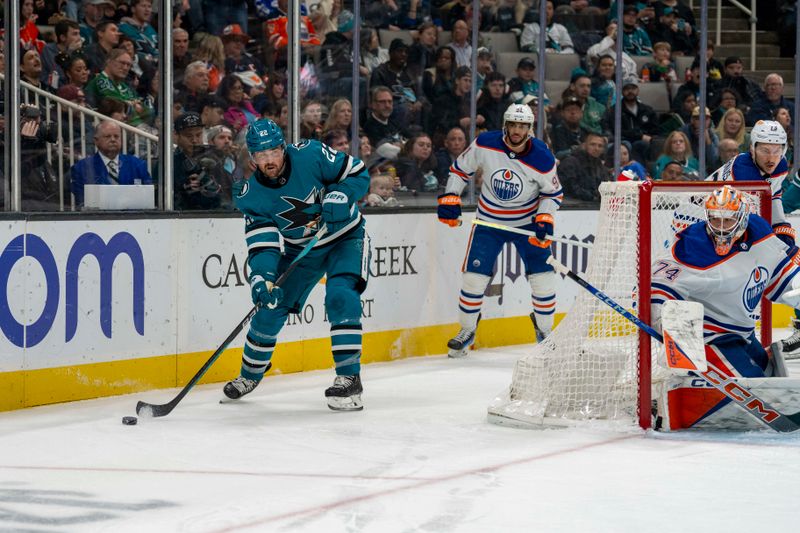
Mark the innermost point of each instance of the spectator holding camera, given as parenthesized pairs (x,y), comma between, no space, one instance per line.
(197,172)
(39,182)
(108,166)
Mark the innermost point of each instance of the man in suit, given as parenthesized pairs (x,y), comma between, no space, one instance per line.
(108,166)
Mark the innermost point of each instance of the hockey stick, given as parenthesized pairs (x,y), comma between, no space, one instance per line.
(742,396)
(526,232)
(157,410)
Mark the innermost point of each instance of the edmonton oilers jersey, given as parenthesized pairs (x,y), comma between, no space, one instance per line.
(743,168)
(289,205)
(515,187)
(730,287)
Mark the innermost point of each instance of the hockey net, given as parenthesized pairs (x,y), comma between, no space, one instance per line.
(595,364)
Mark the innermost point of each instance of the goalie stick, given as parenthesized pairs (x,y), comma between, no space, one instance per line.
(528,233)
(157,410)
(741,396)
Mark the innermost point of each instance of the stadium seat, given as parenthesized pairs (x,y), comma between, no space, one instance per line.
(681,64)
(507,62)
(499,42)
(655,95)
(560,66)
(387,36)
(641,61)
(554,88)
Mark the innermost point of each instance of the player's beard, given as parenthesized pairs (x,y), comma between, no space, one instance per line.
(271,171)
(516,146)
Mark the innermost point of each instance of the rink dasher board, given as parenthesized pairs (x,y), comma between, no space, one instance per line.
(96,308)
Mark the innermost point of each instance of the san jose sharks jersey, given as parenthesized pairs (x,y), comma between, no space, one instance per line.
(743,168)
(730,287)
(515,187)
(289,205)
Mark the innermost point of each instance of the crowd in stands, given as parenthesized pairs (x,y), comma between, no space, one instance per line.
(230,68)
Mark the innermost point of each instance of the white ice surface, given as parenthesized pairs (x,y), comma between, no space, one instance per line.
(420,457)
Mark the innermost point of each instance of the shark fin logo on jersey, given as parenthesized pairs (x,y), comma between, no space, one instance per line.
(302,144)
(506,184)
(302,213)
(244,190)
(755,288)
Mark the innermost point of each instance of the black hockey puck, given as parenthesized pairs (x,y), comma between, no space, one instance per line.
(129,420)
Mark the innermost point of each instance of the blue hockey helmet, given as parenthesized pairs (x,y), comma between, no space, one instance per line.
(264,134)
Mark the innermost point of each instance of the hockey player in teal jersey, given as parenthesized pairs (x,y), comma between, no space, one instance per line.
(293,192)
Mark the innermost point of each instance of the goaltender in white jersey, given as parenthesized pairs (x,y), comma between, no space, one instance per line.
(520,189)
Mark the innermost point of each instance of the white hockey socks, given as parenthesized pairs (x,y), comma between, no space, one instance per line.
(543,295)
(470,299)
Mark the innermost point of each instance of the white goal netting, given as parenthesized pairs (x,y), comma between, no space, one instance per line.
(588,368)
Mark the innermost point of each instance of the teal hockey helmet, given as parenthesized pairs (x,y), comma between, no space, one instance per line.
(264,134)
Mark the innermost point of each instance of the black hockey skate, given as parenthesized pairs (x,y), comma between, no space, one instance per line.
(791,345)
(239,387)
(460,344)
(345,393)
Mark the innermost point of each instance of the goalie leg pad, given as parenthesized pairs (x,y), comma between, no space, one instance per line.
(343,305)
(543,294)
(470,299)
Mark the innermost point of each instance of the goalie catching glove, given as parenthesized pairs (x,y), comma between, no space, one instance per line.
(785,232)
(265,293)
(449,210)
(336,211)
(543,227)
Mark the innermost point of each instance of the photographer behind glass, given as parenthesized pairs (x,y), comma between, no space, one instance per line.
(39,180)
(198,169)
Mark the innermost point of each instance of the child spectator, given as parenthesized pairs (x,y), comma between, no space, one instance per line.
(381,192)
(662,68)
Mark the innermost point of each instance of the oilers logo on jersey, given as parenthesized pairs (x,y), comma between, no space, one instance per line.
(506,184)
(754,288)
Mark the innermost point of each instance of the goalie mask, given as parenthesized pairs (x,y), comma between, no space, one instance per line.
(726,217)
(519,113)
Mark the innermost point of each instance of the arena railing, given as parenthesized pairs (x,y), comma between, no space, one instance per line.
(63,154)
